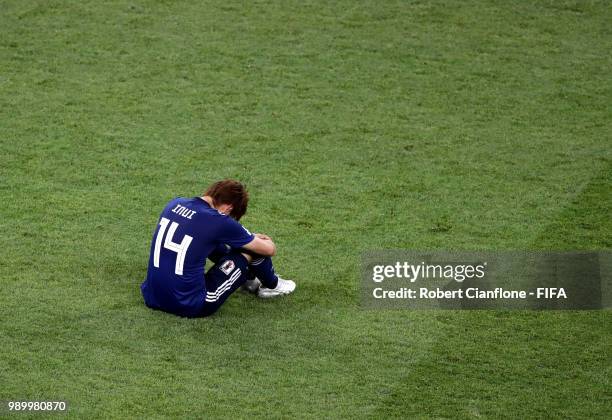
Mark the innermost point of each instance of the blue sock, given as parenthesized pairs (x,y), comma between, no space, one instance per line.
(262,268)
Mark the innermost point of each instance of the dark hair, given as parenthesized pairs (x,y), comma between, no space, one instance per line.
(231,192)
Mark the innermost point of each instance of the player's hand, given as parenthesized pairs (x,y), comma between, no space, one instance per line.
(263,236)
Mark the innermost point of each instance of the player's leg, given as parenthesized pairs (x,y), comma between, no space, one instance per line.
(252,284)
(261,277)
(271,284)
(222,279)
(263,269)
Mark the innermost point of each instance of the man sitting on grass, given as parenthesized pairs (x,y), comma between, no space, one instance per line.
(193,229)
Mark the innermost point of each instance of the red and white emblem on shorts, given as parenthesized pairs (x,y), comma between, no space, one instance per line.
(227,267)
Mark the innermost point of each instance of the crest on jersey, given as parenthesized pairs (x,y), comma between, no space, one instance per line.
(227,267)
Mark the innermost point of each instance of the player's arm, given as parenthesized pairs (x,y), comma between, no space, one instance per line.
(237,236)
(261,245)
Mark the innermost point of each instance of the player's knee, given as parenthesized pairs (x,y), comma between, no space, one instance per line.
(247,256)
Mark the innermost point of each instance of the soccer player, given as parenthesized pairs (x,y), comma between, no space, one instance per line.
(189,231)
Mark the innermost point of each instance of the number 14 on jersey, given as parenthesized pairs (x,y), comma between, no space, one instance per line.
(179,248)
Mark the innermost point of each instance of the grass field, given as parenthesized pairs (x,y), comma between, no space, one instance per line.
(357,125)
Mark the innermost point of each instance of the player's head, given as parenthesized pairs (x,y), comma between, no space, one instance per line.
(231,193)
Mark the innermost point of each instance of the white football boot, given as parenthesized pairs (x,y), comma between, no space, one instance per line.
(284,287)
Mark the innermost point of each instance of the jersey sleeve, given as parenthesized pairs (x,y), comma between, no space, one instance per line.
(234,234)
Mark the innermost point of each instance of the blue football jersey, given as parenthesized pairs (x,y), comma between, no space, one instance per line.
(189,229)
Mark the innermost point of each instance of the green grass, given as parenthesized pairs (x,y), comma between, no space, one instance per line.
(357,125)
